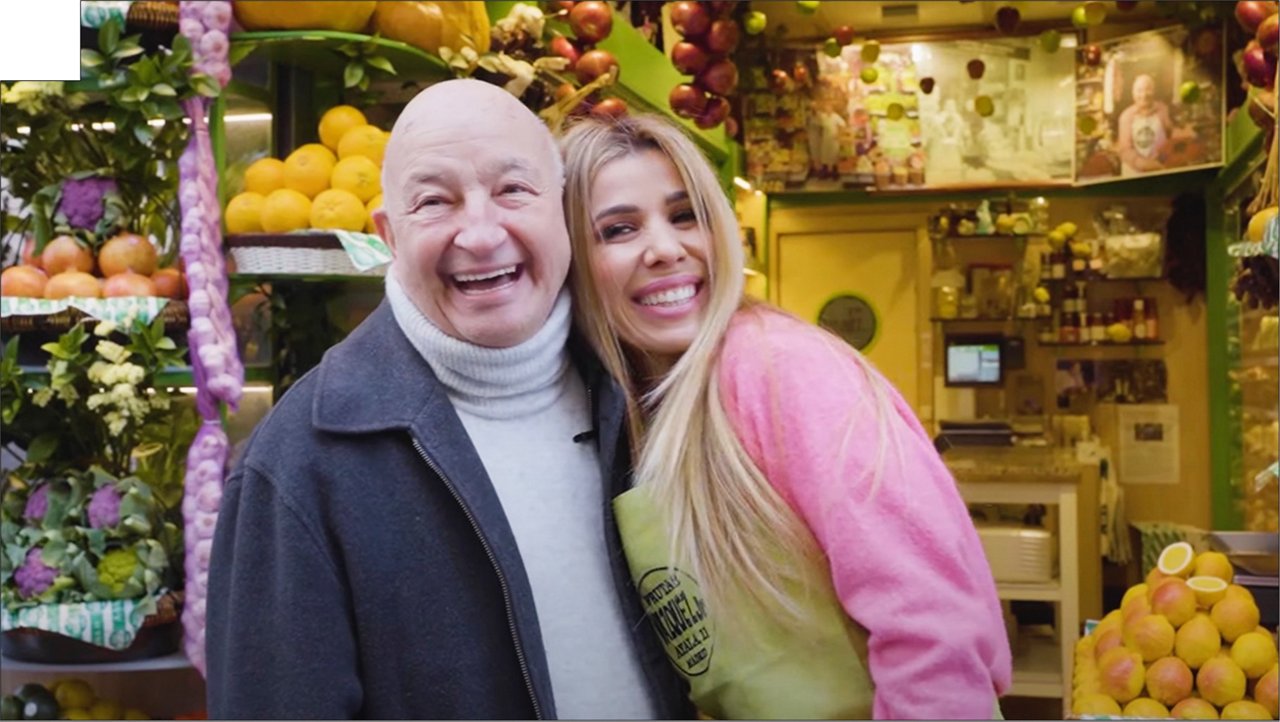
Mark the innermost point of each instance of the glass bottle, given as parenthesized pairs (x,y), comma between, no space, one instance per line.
(1097,330)
(1139,319)
(1153,323)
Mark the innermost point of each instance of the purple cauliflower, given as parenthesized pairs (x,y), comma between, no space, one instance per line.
(37,504)
(82,200)
(104,508)
(34,576)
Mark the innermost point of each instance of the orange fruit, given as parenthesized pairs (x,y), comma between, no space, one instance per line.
(285,210)
(366,140)
(335,123)
(374,204)
(264,175)
(244,213)
(359,175)
(338,209)
(307,169)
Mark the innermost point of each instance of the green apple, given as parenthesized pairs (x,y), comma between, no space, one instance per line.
(755,22)
(1189,91)
(870,51)
(808,7)
(831,47)
(1079,18)
(869,75)
(1050,41)
(983,105)
(896,111)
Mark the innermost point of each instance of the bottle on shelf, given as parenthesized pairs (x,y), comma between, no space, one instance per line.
(1139,319)
(1070,296)
(1153,325)
(1046,266)
(1070,331)
(1059,266)
(1097,329)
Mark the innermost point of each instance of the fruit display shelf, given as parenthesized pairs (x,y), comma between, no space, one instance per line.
(309,254)
(175,313)
(318,51)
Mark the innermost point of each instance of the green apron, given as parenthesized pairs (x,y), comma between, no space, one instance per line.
(764,670)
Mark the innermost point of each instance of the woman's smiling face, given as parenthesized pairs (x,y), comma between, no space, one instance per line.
(651,254)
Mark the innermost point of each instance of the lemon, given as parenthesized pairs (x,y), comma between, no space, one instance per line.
(1215,564)
(106,709)
(374,204)
(1209,590)
(338,209)
(359,175)
(335,123)
(1176,559)
(244,215)
(74,693)
(366,140)
(285,210)
(1254,652)
(307,169)
(264,175)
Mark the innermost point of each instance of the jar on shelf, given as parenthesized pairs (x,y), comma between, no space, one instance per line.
(1139,317)
(947,302)
(1153,323)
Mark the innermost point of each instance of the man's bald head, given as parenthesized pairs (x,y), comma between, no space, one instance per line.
(466,107)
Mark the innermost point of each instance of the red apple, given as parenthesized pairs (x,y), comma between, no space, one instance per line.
(1251,13)
(610,108)
(689,18)
(719,8)
(843,35)
(1269,34)
(689,58)
(687,101)
(926,85)
(591,21)
(720,77)
(714,114)
(593,64)
(723,36)
(976,68)
(1007,19)
(564,48)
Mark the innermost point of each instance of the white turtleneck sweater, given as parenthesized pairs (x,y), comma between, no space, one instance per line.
(521,406)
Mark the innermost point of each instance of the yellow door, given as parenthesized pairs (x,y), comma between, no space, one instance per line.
(878,270)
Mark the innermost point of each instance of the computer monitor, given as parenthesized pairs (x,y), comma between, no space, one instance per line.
(974,360)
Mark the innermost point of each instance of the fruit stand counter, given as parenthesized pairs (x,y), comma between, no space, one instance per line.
(1049,477)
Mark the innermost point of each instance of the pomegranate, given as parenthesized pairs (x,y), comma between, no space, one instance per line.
(720,77)
(610,108)
(593,64)
(127,252)
(976,68)
(714,114)
(128,283)
(690,19)
(592,21)
(170,283)
(65,253)
(687,101)
(1251,13)
(843,35)
(723,36)
(1007,19)
(23,281)
(926,85)
(1259,69)
(563,91)
(1269,34)
(563,47)
(689,58)
(73,283)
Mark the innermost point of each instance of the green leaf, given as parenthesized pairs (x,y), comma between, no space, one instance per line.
(134,94)
(97,539)
(91,58)
(127,51)
(109,36)
(42,447)
(205,85)
(353,74)
(164,89)
(239,51)
(381,63)
(144,134)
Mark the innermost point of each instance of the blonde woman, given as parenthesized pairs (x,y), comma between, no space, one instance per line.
(795,538)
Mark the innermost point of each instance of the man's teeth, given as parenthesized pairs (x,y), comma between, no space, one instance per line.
(470,277)
(671,295)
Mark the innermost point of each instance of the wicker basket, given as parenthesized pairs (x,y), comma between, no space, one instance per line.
(153,15)
(160,634)
(175,314)
(301,254)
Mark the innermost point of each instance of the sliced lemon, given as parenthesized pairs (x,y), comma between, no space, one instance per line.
(1209,590)
(1176,559)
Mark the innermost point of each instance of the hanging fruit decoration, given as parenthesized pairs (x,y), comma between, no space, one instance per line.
(1050,41)
(1092,54)
(926,85)
(1007,19)
(708,36)
(755,22)
(1089,15)
(984,106)
(870,51)
(591,21)
(976,68)
(807,7)
(1258,62)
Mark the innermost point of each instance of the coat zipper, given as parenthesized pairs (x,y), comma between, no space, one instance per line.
(502,580)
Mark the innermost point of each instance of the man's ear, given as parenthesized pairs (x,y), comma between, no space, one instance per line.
(383,224)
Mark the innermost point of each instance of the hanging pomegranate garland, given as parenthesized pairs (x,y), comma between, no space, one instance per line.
(591,22)
(708,37)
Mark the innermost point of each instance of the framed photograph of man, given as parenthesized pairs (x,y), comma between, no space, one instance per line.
(1149,104)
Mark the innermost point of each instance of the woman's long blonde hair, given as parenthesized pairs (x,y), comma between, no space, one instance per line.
(728,524)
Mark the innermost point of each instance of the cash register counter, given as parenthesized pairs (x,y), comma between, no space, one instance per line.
(1052,477)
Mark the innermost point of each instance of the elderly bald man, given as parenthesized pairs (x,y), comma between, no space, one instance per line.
(420,528)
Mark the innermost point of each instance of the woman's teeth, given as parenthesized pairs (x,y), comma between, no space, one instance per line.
(669,296)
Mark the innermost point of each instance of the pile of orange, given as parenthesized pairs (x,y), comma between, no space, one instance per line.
(334,184)
(126,265)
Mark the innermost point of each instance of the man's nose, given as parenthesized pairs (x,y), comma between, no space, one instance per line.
(664,247)
(481,231)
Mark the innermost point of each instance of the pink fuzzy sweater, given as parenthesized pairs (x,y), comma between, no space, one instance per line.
(905,558)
